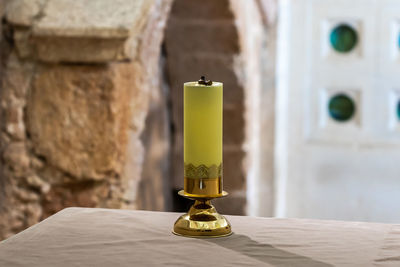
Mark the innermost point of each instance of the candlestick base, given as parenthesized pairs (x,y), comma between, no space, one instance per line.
(202,220)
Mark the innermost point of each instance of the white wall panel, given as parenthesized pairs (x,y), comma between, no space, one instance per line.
(327,168)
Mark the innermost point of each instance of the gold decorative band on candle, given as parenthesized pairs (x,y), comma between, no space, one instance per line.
(202,180)
(202,171)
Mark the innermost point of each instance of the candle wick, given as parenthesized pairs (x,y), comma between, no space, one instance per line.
(204,81)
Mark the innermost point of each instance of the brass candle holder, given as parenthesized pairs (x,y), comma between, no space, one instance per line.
(202,220)
(203,101)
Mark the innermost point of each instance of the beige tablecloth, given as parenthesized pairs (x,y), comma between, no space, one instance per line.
(103,237)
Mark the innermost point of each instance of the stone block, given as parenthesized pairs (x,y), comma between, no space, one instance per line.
(96,19)
(78,117)
(77,30)
(90,31)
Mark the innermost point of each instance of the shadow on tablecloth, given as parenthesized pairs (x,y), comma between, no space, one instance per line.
(265,252)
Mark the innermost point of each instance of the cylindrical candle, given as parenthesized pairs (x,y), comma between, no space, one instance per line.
(203,138)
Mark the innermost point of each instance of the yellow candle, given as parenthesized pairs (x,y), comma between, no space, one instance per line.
(203,137)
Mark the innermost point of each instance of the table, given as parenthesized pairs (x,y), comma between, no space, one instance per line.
(106,237)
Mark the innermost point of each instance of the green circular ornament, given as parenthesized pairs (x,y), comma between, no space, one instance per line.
(343,38)
(341,107)
(398,109)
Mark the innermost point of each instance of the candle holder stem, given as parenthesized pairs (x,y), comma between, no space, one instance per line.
(202,220)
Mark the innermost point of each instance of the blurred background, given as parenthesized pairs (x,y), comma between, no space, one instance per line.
(91,105)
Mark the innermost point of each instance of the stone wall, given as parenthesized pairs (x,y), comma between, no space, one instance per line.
(74,96)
